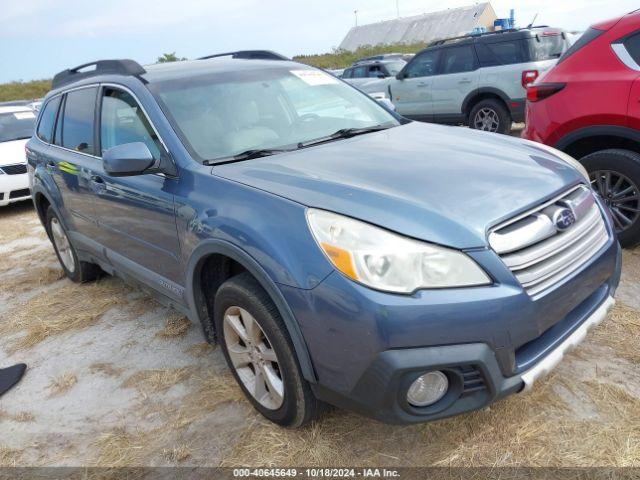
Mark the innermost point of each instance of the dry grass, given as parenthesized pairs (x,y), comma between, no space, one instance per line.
(154,381)
(177,454)
(177,326)
(62,384)
(21,417)
(67,308)
(618,332)
(120,448)
(107,369)
(32,278)
(200,349)
(9,457)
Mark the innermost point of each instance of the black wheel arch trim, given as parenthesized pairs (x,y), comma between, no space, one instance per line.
(479,91)
(195,296)
(595,131)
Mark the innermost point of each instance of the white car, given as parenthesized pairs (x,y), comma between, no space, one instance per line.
(16,127)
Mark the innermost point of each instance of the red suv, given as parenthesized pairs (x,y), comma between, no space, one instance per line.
(588,106)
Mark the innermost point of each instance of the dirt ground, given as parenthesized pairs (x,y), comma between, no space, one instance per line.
(114,380)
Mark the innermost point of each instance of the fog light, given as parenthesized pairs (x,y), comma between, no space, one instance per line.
(428,389)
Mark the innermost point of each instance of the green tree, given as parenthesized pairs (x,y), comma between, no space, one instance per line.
(170,57)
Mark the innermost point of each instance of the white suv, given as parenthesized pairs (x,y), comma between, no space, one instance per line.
(16,127)
(477,80)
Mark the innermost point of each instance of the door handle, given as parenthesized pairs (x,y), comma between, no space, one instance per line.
(422,85)
(96,179)
(50,163)
(464,80)
(97,184)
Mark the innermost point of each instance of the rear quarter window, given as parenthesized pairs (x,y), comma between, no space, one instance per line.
(632,44)
(508,53)
(48,120)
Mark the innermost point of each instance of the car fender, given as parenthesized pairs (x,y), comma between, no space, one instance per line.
(599,130)
(479,91)
(194,296)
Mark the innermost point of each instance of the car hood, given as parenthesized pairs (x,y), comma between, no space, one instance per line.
(446,185)
(13,152)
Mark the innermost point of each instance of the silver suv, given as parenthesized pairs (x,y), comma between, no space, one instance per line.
(478,80)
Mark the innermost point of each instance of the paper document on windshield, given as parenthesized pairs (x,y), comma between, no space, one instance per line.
(315,77)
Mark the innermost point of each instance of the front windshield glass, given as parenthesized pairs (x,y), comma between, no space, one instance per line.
(16,126)
(224,114)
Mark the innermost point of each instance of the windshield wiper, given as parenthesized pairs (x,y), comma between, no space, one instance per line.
(248,155)
(343,133)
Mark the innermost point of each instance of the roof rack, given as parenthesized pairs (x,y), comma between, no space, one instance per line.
(101,67)
(249,55)
(477,35)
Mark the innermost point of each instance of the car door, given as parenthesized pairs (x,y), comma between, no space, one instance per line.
(411,93)
(457,79)
(72,162)
(136,213)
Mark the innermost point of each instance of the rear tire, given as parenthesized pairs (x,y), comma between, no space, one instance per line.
(74,269)
(615,174)
(490,115)
(262,360)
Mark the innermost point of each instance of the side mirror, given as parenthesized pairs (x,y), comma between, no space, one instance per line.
(400,75)
(381,75)
(127,160)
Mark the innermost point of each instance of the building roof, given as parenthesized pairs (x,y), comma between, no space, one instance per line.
(421,28)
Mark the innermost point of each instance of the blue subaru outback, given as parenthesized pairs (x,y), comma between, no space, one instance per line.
(338,252)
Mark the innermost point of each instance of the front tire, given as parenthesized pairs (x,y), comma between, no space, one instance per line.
(260,354)
(615,175)
(490,116)
(74,269)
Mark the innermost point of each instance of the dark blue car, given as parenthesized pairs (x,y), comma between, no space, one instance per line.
(337,252)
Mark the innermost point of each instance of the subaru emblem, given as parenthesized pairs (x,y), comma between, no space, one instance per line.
(563,219)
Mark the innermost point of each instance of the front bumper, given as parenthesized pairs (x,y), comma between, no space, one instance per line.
(475,378)
(14,188)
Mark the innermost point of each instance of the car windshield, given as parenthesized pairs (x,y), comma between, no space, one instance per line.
(16,125)
(225,114)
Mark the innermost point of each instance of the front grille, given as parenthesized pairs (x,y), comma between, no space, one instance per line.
(546,245)
(20,193)
(16,169)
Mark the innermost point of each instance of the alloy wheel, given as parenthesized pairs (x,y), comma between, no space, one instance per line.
(62,245)
(253,357)
(620,194)
(487,120)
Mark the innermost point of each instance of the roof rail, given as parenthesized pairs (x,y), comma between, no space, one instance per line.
(249,55)
(477,35)
(120,67)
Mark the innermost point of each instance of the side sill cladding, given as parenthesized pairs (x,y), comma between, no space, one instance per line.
(194,295)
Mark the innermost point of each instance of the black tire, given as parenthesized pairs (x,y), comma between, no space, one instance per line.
(299,405)
(498,109)
(81,271)
(619,162)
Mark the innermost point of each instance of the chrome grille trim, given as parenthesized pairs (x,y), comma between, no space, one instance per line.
(540,259)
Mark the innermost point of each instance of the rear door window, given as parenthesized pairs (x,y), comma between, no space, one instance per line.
(78,120)
(632,44)
(459,59)
(48,120)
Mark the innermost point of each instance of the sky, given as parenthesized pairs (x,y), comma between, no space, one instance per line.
(41,37)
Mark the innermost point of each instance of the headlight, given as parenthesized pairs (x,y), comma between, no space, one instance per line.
(562,156)
(387,261)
